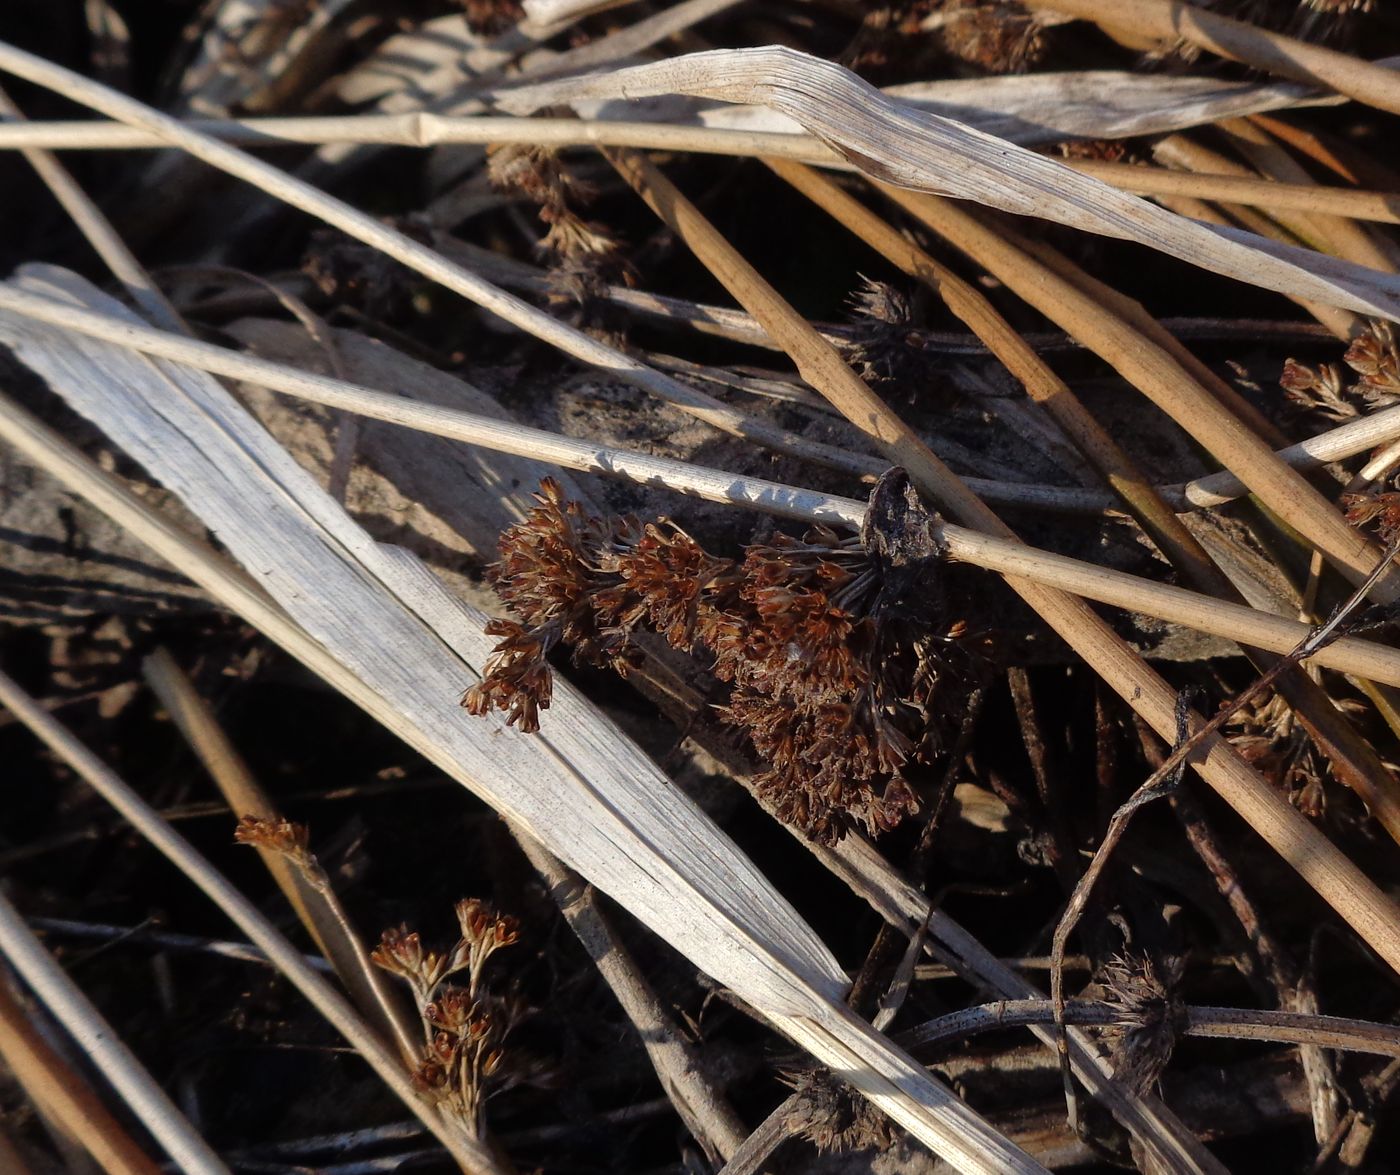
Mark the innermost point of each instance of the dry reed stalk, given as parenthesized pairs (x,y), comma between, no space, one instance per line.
(317,907)
(1131,311)
(431,264)
(1157,374)
(1172,20)
(1354,760)
(904,906)
(1381,207)
(896,143)
(1280,1027)
(1267,156)
(1343,324)
(87,1026)
(1039,381)
(1334,157)
(64,1096)
(557,12)
(424,129)
(1192,157)
(100,488)
(1355,898)
(583,786)
(95,227)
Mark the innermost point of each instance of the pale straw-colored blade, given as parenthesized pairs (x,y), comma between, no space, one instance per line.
(580,787)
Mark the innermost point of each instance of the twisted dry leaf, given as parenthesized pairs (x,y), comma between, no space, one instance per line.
(896,143)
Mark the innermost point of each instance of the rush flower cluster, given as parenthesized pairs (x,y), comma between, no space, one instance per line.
(463,1024)
(843,668)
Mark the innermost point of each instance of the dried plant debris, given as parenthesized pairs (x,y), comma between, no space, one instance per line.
(357,275)
(464,1024)
(1336,23)
(286,838)
(493,17)
(845,665)
(1271,738)
(540,175)
(1378,510)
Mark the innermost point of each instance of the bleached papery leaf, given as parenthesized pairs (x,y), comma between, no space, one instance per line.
(1031,110)
(581,787)
(896,143)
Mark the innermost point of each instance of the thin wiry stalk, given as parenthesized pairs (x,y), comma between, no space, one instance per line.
(316,904)
(95,227)
(1040,382)
(700,1103)
(1332,1032)
(418,257)
(1157,374)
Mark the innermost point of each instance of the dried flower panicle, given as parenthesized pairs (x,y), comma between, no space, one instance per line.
(1269,736)
(464,1025)
(286,838)
(1318,390)
(842,670)
(1378,509)
(540,176)
(1374,358)
(572,579)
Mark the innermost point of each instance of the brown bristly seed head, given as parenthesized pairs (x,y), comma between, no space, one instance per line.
(286,838)
(1152,1016)
(832,1117)
(1317,389)
(463,1026)
(1374,356)
(884,347)
(1378,509)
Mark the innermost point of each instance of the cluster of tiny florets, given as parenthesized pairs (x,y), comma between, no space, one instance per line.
(844,688)
(463,1025)
(1374,360)
(540,175)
